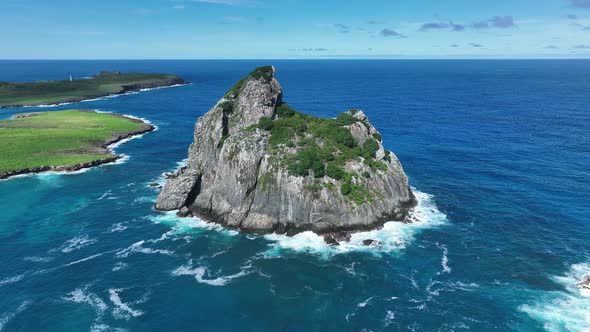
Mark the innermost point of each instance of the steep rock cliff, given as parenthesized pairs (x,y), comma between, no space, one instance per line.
(258,165)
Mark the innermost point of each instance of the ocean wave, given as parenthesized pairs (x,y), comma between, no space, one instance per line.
(564,311)
(188,225)
(393,236)
(7,317)
(200,272)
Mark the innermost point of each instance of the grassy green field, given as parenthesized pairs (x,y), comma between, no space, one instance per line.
(59,138)
(54,92)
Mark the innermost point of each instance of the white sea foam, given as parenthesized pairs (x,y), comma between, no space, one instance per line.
(81,295)
(122,309)
(38,259)
(445,258)
(200,273)
(137,247)
(389,318)
(184,225)
(76,243)
(144,199)
(564,311)
(161,180)
(118,227)
(105,195)
(119,266)
(364,303)
(394,236)
(82,260)
(7,317)
(11,280)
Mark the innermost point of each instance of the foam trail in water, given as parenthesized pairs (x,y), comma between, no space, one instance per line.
(564,311)
(82,260)
(445,258)
(137,247)
(6,317)
(76,243)
(199,274)
(11,280)
(394,236)
(122,310)
(99,306)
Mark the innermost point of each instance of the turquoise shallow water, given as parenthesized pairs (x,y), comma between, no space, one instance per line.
(498,152)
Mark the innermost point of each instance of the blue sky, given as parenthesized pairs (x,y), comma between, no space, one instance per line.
(245,29)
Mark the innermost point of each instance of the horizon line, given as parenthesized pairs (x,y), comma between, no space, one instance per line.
(290,59)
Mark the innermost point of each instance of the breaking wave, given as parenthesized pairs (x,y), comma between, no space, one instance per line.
(394,236)
(187,225)
(567,310)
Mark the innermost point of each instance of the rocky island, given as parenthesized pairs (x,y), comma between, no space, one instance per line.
(62,141)
(259,166)
(107,83)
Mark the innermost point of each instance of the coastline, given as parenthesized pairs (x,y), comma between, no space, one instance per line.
(128,90)
(109,145)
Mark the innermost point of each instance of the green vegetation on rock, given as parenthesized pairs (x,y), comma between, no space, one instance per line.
(265,73)
(55,92)
(323,147)
(54,139)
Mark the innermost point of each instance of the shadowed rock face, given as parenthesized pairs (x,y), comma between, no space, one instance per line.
(238,176)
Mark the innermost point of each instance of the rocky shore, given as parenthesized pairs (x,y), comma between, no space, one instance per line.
(63,98)
(259,166)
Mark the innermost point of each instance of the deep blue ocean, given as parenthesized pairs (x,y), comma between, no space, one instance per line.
(497,151)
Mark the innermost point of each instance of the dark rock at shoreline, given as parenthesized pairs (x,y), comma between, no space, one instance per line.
(585,283)
(184,212)
(334,239)
(371,243)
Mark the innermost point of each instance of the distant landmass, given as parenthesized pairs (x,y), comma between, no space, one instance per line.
(258,165)
(106,83)
(62,141)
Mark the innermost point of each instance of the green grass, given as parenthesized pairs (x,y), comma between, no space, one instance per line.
(58,138)
(51,92)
